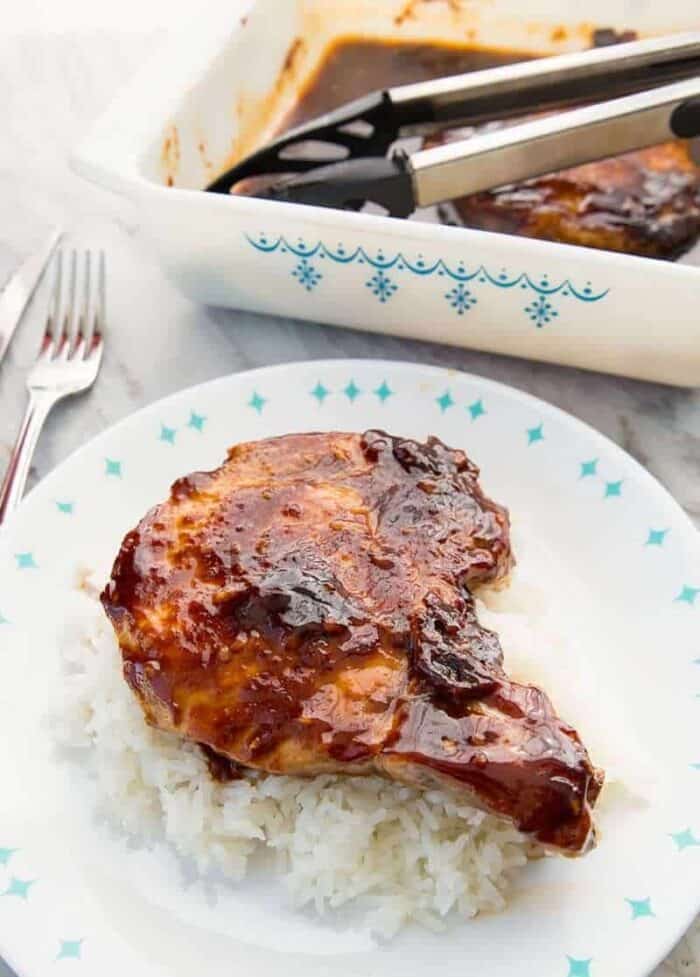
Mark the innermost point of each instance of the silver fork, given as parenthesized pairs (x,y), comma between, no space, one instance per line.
(68,362)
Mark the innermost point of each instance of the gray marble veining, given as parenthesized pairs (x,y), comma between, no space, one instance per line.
(51,87)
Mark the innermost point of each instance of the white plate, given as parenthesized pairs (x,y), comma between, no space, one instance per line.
(70,898)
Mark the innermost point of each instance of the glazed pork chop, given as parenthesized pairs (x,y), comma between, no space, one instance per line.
(645,203)
(307,608)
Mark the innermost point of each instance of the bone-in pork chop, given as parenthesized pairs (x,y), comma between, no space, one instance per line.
(307,607)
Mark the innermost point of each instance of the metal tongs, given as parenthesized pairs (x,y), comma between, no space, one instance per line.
(659,81)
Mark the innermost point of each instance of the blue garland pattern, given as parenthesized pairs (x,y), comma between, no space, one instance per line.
(540,311)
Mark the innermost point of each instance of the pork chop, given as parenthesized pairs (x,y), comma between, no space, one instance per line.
(644,203)
(307,607)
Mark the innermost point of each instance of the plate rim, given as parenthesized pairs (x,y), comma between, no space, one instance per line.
(659,490)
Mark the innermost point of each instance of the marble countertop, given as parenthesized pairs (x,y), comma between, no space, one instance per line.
(51,87)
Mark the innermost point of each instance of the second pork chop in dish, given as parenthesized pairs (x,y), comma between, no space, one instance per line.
(307,608)
(645,203)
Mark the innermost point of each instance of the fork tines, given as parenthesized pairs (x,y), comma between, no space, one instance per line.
(75,327)
(68,363)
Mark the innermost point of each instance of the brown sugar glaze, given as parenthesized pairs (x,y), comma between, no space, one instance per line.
(308,608)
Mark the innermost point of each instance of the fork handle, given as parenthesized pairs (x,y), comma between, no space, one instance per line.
(38,408)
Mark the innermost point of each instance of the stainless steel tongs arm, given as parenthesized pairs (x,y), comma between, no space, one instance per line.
(555,143)
(548,83)
(497,93)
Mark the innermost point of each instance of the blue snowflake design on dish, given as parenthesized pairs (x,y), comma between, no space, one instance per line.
(382,286)
(540,311)
(460,298)
(307,275)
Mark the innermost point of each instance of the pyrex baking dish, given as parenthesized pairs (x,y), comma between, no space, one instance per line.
(224,82)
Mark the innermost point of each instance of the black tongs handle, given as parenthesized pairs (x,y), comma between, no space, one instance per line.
(402,183)
(548,83)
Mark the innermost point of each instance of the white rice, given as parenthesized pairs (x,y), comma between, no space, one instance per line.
(393,853)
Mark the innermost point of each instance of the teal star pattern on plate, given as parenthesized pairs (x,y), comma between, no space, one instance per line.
(320,392)
(3,619)
(476,409)
(352,391)
(384,391)
(613,489)
(196,421)
(640,908)
(19,887)
(257,402)
(6,854)
(65,507)
(685,839)
(25,561)
(167,434)
(656,537)
(688,594)
(535,434)
(445,401)
(695,766)
(113,468)
(579,968)
(70,950)
(589,468)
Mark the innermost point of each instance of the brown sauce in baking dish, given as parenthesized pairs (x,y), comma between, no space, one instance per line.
(353,68)
(643,203)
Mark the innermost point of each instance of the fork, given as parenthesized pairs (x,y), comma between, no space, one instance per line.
(68,362)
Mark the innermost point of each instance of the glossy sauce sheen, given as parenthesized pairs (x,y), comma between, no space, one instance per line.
(645,203)
(307,607)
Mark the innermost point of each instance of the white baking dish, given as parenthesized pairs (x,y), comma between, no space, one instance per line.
(220,84)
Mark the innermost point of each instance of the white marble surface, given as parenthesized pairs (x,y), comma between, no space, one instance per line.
(51,87)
